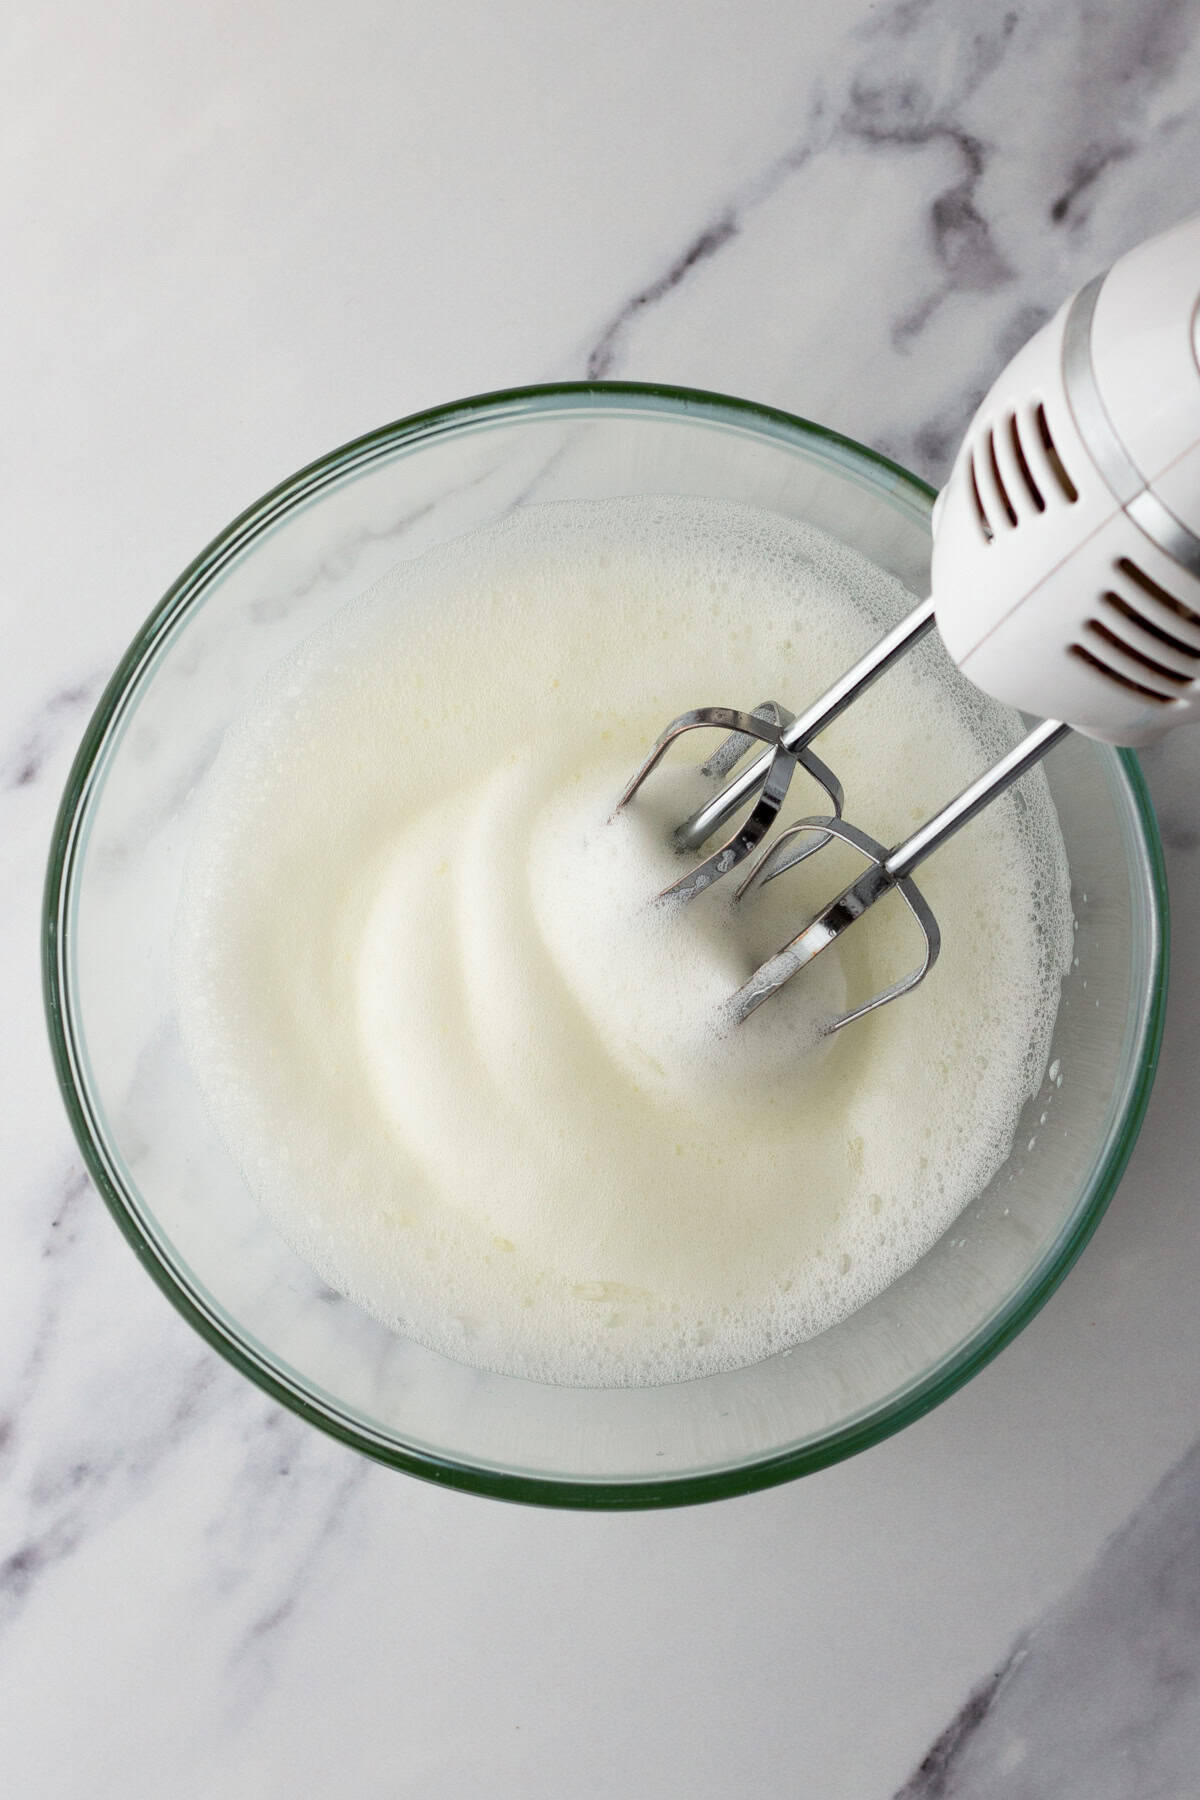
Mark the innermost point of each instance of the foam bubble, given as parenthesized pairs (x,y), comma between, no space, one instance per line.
(480,1083)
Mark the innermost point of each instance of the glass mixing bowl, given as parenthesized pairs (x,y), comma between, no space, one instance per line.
(275,574)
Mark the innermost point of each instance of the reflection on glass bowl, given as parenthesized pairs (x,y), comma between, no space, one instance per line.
(264,584)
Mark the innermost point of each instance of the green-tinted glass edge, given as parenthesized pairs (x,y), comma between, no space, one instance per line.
(587,1493)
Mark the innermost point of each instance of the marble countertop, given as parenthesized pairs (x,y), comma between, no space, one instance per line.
(236,235)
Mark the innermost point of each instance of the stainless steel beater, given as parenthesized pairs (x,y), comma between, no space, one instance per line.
(1065,578)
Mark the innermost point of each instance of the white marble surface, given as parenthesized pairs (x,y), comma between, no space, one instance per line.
(235,235)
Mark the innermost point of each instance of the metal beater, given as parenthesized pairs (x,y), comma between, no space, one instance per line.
(1065,581)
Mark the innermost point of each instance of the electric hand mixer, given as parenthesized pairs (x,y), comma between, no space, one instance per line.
(1065,582)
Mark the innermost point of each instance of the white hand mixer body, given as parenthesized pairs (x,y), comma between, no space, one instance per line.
(1066,547)
(1065,582)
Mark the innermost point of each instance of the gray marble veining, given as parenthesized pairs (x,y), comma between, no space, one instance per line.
(1019,203)
(1099,1699)
(34,742)
(234,242)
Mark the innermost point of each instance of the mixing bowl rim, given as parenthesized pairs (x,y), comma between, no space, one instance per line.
(507,405)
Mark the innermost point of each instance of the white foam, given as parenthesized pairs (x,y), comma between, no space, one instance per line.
(477,1082)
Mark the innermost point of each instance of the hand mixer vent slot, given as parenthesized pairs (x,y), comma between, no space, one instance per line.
(1054,461)
(977,497)
(1011,470)
(1010,511)
(1106,669)
(1151,597)
(1032,488)
(1136,627)
(1120,642)
(1143,637)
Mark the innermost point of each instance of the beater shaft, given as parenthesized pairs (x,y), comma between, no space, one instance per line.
(959,812)
(885,871)
(715,812)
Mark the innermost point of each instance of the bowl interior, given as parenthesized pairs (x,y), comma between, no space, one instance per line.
(268,581)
